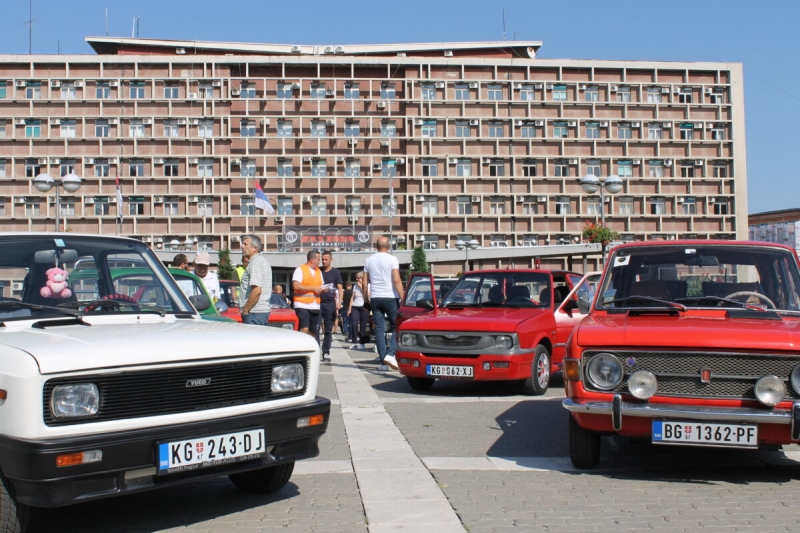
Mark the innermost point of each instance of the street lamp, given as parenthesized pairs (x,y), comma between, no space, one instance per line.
(188,244)
(591,184)
(44,182)
(467,246)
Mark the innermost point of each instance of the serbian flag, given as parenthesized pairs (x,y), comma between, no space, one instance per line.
(262,202)
(119,199)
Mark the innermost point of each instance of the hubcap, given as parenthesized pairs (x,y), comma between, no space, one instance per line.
(543,371)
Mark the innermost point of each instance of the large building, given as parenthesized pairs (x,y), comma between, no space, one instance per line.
(480,141)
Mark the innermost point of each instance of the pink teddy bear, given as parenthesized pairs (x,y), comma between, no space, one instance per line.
(56,286)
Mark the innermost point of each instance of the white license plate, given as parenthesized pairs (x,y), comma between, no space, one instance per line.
(449,371)
(705,434)
(209,451)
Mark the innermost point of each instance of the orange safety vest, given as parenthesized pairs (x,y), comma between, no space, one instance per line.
(309,298)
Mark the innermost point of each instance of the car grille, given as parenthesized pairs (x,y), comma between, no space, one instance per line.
(733,375)
(164,391)
(458,342)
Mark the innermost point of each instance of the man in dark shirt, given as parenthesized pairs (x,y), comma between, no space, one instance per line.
(348,294)
(330,301)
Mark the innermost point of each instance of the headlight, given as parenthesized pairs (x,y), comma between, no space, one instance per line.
(75,400)
(770,390)
(795,379)
(642,384)
(504,341)
(288,378)
(408,339)
(604,371)
(287,325)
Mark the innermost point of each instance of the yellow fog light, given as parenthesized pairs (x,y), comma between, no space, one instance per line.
(81,458)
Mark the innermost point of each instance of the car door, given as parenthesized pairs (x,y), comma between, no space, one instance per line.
(420,286)
(571,311)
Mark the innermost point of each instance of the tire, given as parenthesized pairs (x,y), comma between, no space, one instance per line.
(584,446)
(264,480)
(13,515)
(537,384)
(421,384)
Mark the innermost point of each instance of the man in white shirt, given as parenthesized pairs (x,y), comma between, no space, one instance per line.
(210,279)
(383,289)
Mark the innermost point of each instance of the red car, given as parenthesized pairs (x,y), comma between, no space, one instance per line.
(281,316)
(688,343)
(419,288)
(492,325)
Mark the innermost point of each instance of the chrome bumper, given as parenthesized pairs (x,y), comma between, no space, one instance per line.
(617,409)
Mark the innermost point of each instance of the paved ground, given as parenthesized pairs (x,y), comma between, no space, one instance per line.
(465,457)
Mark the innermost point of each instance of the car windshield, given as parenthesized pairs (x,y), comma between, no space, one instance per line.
(700,275)
(62,275)
(500,289)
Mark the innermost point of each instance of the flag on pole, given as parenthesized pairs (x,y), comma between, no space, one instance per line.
(261,200)
(119,198)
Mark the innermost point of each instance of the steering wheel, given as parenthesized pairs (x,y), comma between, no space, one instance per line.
(770,303)
(112,300)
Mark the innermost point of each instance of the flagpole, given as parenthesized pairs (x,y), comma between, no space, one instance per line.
(391,211)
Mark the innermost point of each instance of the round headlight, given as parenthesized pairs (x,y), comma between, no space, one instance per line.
(642,384)
(795,379)
(770,390)
(504,341)
(604,371)
(408,339)
(68,401)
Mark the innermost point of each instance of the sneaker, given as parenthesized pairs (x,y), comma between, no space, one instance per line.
(391,361)
(362,346)
(383,368)
(326,357)
(356,347)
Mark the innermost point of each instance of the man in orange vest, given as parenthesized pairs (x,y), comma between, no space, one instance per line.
(307,285)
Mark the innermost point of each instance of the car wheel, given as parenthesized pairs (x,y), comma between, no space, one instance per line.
(537,384)
(420,383)
(584,445)
(13,515)
(264,480)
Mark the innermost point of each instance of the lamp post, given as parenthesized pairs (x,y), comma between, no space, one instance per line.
(591,184)
(467,246)
(44,182)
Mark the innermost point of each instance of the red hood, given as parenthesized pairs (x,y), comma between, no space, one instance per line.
(490,319)
(713,331)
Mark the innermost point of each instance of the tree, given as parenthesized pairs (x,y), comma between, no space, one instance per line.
(224,266)
(419,263)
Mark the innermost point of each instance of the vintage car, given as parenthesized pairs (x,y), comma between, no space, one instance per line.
(688,343)
(494,325)
(113,384)
(281,316)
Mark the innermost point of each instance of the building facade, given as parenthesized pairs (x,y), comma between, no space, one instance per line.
(430,143)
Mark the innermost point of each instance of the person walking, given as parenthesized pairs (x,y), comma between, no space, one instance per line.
(383,290)
(255,284)
(201,262)
(359,315)
(306,289)
(347,295)
(330,301)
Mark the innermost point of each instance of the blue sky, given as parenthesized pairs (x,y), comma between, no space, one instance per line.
(760,35)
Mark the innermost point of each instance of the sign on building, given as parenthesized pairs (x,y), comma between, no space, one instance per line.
(345,238)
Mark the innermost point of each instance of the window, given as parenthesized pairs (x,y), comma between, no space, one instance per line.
(136,128)
(137,90)
(352,167)
(592,130)
(717,98)
(654,95)
(591,94)
(593,167)
(33,129)
(462,128)
(718,134)
(102,206)
(497,205)
(247,168)
(388,168)
(387,208)
(136,167)
(497,168)
(285,206)
(317,91)
(593,206)
(2,128)
(319,206)
(388,128)
(388,91)
(206,91)
(559,93)
(247,206)
(318,128)
(529,207)
(719,170)
(428,91)
(3,90)
(32,169)
(430,205)
(319,168)
(205,128)
(428,128)
(462,91)
(101,128)
(430,167)
(171,91)
(285,90)
(561,168)
(494,91)
(352,206)
(685,96)
(205,207)
(689,206)
(464,167)
(562,205)
(560,129)
(32,208)
(658,206)
(68,91)
(285,168)
(67,167)
(205,168)
(170,206)
(171,129)
(2,168)
(68,129)
(496,129)
(624,169)
(625,205)
(352,128)
(655,169)
(654,131)
(351,90)
(463,205)
(102,169)
(687,131)
(720,206)
(136,205)
(284,128)
(171,167)
(33,90)
(529,167)
(247,90)
(527,130)
(687,170)
(624,131)
(526,93)
(623,94)
(102,91)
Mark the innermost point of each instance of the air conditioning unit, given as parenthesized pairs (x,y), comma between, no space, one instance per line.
(158,161)
(51,200)
(236,162)
(17,286)
(573,161)
(216,83)
(519,199)
(604,124)
(78,83)
(582,87)
(306,158)
(381,104)
(113,160)
(667,124)
(88,201)
(473,122)
(113,121)
(339,158)
(20,121)
(698,162)
(328,50)
(668,162)
(21,83)
(279,219)
(708,90)
(306,199)
(113,83)
(676,90)
(518,123)
(537,85)
(264,122)
(476,198)
(352,141)
(419,238)
(330,93)
(572,123)
(636,124)
(418,122)
(194,161)
(680,200)
(433,246)
(439,85)
(452,160)
(147,121)
(194,199)
(354,218)
(195,122)
(539,123)
(42,160)
(549,86)
(637,161)
(55,161)
(698,125)
(88,160)
(295,86)
(665,90)
(377,166)
(400,161)
(473,85)
(613,88)
(541,198)
(448,53)
(235,238)
(195,96)
(420,198)
(55,121)
(55,83)
(181,121)
(158,199)
(486,160)
(710,126)
(180,51)
(384,143)
(329,123)
(19,199)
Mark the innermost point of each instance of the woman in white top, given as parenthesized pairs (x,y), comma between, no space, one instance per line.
(359,315)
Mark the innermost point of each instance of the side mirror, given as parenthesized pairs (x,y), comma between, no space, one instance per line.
(425,304)
(201,302)
(569,306)
(583,307)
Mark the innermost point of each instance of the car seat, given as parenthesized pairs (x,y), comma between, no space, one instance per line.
(496,294)
(545,296)
(518,291)
(561,292)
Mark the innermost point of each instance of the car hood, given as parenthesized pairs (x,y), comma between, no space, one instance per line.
(713,332)
(491,319)
(111,344)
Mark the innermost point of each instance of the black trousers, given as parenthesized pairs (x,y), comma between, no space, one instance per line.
(359,322)
(329,316)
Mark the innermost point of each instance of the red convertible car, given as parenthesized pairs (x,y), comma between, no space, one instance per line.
(281,316)
(493,325)
(688,343)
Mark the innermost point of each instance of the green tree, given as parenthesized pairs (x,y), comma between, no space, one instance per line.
(419,262)
(224,267)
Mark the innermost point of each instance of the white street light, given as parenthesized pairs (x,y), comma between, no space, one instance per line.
(591,184)
(467,246)
(44,182)
(188,244)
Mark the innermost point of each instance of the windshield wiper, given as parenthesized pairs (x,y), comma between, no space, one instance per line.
(94,305)
(744,305)
(641,298)
(37,307)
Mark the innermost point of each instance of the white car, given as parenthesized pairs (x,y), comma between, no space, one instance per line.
(112,384)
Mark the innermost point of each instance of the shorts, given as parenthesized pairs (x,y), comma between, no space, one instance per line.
(309,318)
